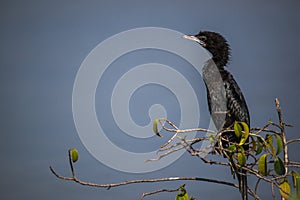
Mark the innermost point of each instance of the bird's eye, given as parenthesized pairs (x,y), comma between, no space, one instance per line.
(203,38)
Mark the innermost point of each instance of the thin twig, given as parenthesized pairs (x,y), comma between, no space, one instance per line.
(293,140)
(190,146)
(256,185)
(159,191)
(285,146)
(176,129)
(273,192)
(71,163)
(108,186)
(165,154)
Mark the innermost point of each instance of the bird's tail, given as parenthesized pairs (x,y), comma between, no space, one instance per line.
(243,186)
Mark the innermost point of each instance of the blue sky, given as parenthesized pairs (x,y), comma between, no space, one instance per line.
(43,44)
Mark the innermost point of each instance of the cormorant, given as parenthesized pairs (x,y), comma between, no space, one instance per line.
(226,102)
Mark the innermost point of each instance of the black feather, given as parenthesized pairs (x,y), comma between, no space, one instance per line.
(226,102)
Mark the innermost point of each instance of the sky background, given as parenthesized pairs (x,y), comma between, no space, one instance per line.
(43,44)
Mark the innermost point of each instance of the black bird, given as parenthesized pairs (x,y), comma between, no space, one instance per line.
(226,102)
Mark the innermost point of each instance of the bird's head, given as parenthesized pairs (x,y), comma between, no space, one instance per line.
(215,43)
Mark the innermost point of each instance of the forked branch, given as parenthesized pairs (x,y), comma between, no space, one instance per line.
(261,141)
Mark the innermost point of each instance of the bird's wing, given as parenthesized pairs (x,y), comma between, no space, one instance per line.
(236,103)
(216,94)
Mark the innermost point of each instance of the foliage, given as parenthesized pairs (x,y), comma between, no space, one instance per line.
(266,157)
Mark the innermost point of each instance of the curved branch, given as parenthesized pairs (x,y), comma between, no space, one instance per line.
(159,191)
(173,145)
(108,186)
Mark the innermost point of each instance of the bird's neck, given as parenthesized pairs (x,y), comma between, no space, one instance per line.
(214,73)
(220,57)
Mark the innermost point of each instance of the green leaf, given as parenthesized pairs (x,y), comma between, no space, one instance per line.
(182,194)
(241,159)
(279,144)
(245,133)
(237,129)
(262,165)
(285,189)
(259,146)
(269,141)
(295,175)
(185,197)
(74,155)
(211,138)
(155,126)
(279,166)
(231,149)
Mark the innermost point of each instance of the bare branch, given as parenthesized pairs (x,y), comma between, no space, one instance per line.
(215,149)
(273,192)
(293,140)
(108,186)
(159,191)
(256,185)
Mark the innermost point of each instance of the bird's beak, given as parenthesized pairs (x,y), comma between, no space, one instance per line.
(194,38)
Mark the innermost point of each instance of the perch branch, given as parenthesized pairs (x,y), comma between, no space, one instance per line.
(159,191)
(108,186)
